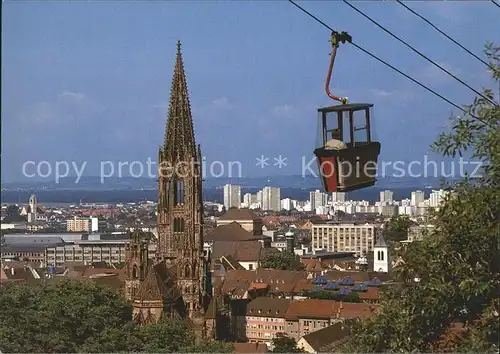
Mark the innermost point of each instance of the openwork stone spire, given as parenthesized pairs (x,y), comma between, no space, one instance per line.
(179,135)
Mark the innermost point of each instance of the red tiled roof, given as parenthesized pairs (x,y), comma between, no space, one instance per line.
(246,251)
(314,308)
(256,286)
(270,276)
(250,348)
(230,232)
(150,289)
(371,294)
(268,307)
(239,214)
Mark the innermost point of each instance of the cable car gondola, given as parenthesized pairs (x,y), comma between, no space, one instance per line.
(347,157)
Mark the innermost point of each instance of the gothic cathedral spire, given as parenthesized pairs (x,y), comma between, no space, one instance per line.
(179,134)
(180,203)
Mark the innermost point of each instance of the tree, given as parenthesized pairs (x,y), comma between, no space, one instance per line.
(457,262)
(397,228)
(210,347)
(284,344)
(283,261)
(79,316)
(12,214)
(59,316)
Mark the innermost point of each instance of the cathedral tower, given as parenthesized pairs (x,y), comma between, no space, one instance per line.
(180,203)
(136,255)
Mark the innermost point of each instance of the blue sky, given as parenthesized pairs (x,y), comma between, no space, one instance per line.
(89,81)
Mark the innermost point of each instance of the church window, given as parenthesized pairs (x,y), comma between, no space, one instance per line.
(187,272)
(179,225)
(380,255)
(134,271)
(179,192)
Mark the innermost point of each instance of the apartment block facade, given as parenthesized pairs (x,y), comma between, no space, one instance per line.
(343,237)
(266,317)
(89,252)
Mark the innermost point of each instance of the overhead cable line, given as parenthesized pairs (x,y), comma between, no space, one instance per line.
(496,3)
(440,31)
(419,53)
(383,61)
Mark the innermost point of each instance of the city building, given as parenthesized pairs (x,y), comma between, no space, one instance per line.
(436,197)
(77,224)
(250,200)
(260,198)
(386,196)
(245,217)
(287,204)
(389,210)
(265,318)
(232,196)
(343,237)
(91,249)
(338,197)
(417,198)
(317,199)
(271,199)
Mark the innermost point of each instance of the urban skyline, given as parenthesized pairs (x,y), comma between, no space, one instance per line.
(197,259)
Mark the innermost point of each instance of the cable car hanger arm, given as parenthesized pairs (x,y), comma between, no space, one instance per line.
(337,38)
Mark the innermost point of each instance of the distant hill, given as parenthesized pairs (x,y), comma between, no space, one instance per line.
(131,183)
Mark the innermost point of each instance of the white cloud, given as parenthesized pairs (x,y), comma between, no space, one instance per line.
(75,96)
(382,93)
(223,103)
(284,110)
(431,74)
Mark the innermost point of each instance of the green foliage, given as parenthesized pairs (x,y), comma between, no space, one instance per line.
(284,344)
(79,316)
(457,262)
(57,317)
(283,261)
(480,135)
(210,347)
(397,228)
(330,295)
(12,214)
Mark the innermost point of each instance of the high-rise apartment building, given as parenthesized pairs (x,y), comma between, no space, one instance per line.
(232,196)
(437,197)
(386,196)
(271,199)
(338,197)
(417,197)
(259,198)
(249,198)
(287,204)
(318,199)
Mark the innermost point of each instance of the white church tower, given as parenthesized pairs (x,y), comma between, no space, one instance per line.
(32,215)
(381,260)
